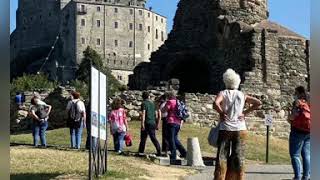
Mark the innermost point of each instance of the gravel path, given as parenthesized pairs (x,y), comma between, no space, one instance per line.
(254,172)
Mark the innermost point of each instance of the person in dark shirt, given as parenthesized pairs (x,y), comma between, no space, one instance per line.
(149,123)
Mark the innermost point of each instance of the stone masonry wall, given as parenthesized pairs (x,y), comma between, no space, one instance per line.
(57,98)
(203,114)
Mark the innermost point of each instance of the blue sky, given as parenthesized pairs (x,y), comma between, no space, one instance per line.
(294,14)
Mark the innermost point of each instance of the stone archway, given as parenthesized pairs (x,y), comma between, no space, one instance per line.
(193,72)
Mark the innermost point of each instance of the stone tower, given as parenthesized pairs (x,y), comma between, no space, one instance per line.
(248,11)
(210,36)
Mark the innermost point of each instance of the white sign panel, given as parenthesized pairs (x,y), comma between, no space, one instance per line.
(268,120)
(94,101)
(103,106)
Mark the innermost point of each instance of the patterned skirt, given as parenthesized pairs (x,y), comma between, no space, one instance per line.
(230,156)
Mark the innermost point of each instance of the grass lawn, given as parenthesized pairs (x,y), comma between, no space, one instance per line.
(27,162)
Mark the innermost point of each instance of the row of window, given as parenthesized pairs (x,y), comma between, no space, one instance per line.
(116,43)
(121,63)
(83,9)
(116,26)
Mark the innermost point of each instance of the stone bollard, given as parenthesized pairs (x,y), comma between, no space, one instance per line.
(194,157)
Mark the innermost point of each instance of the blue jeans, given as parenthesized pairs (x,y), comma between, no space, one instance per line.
(39,130)
(75,134)
(118,140)
(299,144)
(174,143)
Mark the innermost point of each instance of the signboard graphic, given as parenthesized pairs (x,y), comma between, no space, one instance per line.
(94,102)
(268,120)
(103,106)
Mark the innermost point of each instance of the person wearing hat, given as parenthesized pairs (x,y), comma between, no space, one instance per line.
(76,119)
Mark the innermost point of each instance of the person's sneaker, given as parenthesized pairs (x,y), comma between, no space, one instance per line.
(140,154)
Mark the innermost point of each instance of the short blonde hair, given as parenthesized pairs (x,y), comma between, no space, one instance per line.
(231,79)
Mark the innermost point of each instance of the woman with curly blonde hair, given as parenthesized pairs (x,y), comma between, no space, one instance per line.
(230,104)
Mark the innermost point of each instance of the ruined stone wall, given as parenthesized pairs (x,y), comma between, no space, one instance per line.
(203,114)
(293,64)
(57,98)
(248,11)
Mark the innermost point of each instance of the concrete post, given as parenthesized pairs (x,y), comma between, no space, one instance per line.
(194,156)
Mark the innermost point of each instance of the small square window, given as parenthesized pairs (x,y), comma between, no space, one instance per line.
(116,25)
(148,14)
(148,46)
(161,20)
(98,23)
(131,11)
(157,36)
(115,10)
(116,43)
(98,8)
(140,27)
(82,8)
(83,22)
(140,12)
(130,26)
(83,40)
(98,41)
(156,18)
(130,44)
(149,28)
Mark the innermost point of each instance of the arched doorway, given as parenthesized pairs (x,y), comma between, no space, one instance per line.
(193,73)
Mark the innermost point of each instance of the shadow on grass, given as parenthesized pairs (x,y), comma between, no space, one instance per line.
(35,176)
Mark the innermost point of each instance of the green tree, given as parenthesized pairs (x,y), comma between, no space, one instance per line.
(32,82)
(83,73)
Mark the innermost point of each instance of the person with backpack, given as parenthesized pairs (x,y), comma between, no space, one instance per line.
(230,104)
(150,118)
(39,111)
(76,119)
(299,140)
(175,120)
(118,125)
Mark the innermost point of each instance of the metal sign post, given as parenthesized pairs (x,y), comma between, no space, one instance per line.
(268,123)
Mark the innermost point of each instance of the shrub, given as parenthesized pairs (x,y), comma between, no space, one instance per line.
(32,82)
(82,88)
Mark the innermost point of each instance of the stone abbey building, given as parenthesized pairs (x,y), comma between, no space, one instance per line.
(123,32)
(210,36)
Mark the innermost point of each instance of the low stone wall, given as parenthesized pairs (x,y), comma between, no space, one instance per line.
(57,98)
(200,106)
(203,114)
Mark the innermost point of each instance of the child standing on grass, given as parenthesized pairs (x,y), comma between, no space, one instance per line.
(118,124)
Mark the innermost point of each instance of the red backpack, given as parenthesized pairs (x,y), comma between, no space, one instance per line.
(303,120)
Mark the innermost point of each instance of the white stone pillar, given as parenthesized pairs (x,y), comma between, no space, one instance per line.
(194,156)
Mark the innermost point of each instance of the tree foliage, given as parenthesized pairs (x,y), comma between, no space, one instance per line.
(90,56)
(32,82)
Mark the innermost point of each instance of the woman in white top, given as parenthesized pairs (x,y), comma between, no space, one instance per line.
(230,105)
